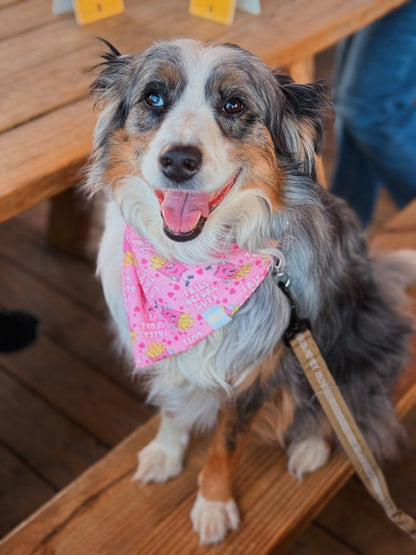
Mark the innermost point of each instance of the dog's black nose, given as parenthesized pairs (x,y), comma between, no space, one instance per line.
(180,162)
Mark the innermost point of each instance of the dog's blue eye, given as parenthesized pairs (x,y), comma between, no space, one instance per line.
(155,100)
(233,106)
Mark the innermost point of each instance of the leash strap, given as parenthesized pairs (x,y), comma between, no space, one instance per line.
(341,419)
(300,339)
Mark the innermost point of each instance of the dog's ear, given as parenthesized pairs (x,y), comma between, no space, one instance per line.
(112,93)
(305,111)
(111,83)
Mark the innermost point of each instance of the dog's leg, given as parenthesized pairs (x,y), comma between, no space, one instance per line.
(215,511)
(307,455)
(162,458)
(310,452)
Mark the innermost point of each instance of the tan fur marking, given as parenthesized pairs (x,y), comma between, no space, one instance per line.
(122,156)
(215,479)
(264,171)
(263,370)
(275,417)
(120,160)
(320,172)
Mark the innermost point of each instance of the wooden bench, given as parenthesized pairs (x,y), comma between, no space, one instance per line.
(104,512)
(47,118)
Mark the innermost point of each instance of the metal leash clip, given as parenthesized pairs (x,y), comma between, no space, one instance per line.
(296,324)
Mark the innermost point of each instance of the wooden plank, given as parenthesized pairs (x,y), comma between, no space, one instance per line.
(69,222)
(139,14)
(89,337)
(41,82)
(354,515)
(399,233)
(94,483)
(292,32)
(5,3)
(163,512)
(34,221)
(274,505)
(30,164)
(99,406)
(22,490)
(315,540)
(270,511)
(18,16)
(47,86)
(31,170)
(48,77)
(403,222)
(73,278)
(346,518)
(59,449)
(20,53)
(409,422)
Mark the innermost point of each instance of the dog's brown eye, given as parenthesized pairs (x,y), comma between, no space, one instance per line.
(233,106)
(155,100)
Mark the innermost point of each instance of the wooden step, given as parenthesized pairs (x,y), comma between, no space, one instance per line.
(104,512)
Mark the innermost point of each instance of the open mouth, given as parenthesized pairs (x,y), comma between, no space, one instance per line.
(184,213)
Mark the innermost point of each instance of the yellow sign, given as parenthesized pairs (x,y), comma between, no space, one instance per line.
(87,11)
(221,11)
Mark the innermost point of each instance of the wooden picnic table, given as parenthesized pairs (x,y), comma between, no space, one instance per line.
(47,117)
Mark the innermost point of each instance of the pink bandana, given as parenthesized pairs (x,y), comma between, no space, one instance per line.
(172,306)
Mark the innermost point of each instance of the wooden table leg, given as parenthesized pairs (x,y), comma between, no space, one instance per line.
(69,222)
(304,72)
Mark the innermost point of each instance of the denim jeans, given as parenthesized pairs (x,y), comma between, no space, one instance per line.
(375,102)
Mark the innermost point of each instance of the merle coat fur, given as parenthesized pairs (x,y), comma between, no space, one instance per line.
(272,143)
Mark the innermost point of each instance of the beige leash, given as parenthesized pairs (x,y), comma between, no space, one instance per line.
(299,337)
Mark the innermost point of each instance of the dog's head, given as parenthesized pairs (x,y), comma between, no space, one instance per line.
(196,141)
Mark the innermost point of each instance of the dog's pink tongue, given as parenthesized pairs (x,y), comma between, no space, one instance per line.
(182,210)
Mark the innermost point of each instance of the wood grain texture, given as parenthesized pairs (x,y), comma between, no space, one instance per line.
(22,490)
(51,381)
(75,279)
(316,541)
(45,442)
(154,518)
(19,16)
(44,157)
(291,31)
(77,390)
(47,126)
(64,322)
(352,513)
(69,223)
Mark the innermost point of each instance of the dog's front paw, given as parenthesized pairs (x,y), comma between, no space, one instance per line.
(212,519)
(308,455)
(156,464)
